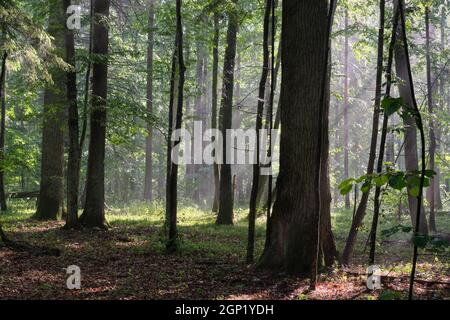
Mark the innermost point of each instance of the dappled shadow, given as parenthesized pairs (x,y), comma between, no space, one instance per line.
(128,262)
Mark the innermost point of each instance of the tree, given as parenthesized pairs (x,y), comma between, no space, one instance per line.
(295,218)
(361,210)
(380,162)
(175,122)
(94,212)
(51,194)
(259,116)
(409,121)
(73,164)
(215,76)
(3,205)
(413,112)
(225,215)
(432,134)
(148,182)
(346,107)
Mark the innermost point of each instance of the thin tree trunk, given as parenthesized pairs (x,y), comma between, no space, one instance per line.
(73,164)
(86,82)
(172,174)
(361,210)
(94,212)
(432,134)
(263,180)
(225,215)
(259,115)
(51,195)
(376,213)
(418,119)
(411,156)
(3,205)
(328,251)
(148,180)
(199,188)
(215,74)
(346,106)
(442,105)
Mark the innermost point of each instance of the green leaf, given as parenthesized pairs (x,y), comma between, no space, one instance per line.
(346,186)
(346,189)
(391,105)
(414,191)
(366,186)
(397,181)
(381,180)
(421,240)
(430,173)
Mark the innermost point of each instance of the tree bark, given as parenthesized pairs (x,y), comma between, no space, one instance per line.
(225,215)
(377,201)
(73,165)
(3,205)
(411,156)
(172,167)
(346,106)
(87,82)
(432,133)
(148,180)
(215,75)
(51,195)
(94,212)
(259,116)
(293,234)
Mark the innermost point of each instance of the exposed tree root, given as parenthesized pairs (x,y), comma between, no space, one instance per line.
(25,247)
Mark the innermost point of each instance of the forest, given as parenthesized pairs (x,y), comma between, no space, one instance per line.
(225,150)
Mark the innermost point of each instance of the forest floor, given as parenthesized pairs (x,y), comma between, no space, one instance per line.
(128,261)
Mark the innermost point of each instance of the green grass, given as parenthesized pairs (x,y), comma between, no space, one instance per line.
(198,231)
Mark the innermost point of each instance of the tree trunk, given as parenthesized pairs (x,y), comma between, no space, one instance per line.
(263,180)
(411,156)
(73,164)
(328,251)
(172,167)
(200,187)
(3,205)
(377,201)
(86,83)
(148,182)
(225,215)
(430,91)
(293,235)
(346,106)
(361,210)
(215,75)
(94,212)
(51,196)
(442,105)
(259,114)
